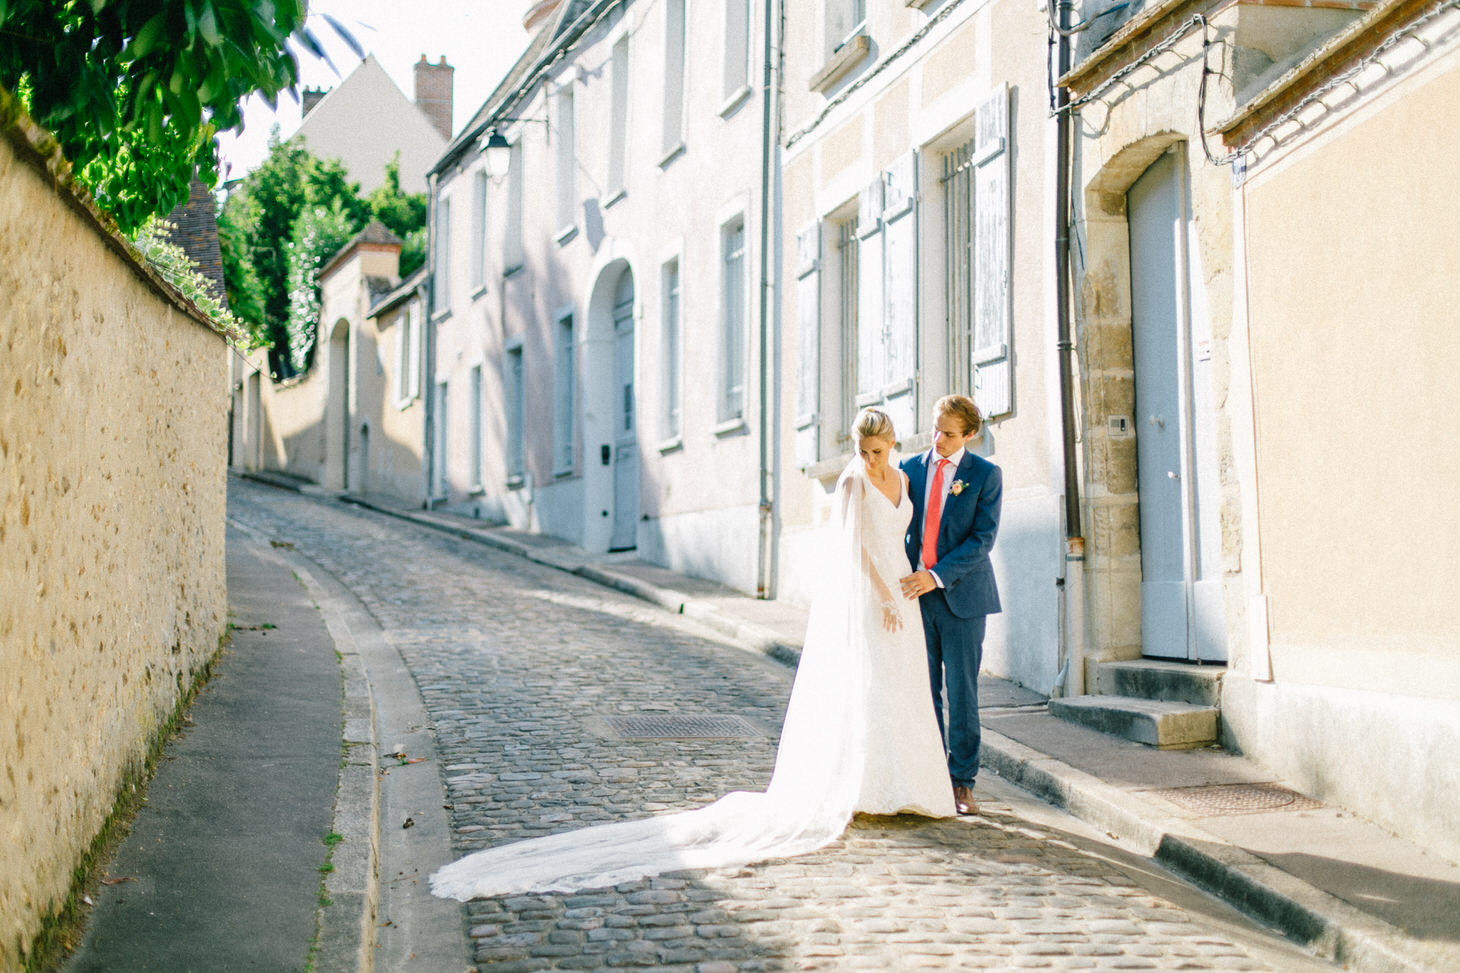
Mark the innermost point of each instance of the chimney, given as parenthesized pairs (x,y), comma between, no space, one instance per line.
(312,97)
(433,93)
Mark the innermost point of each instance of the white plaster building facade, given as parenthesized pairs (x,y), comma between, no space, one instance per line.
(917,262)
(595,368)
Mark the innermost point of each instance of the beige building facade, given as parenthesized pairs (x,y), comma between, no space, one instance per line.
(1253,188)
(355,420)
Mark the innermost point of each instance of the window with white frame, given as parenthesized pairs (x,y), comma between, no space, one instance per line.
(566,162)
(976,245)
(737,48)
(407,354)
(806,412)
(618,132)
(441,271)
(673,337)
(732,320)
(439,450)
(675,52)
(513,251)
(516,402)
(476,428)
(847,265)
(478,230)
(564,393)
(843,20)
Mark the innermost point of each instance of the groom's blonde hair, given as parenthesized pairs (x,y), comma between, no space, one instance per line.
(873,424)
(960,407)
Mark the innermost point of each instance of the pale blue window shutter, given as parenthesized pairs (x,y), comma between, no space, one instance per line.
(992,300)
(900,294)
(870,319)
(808,342)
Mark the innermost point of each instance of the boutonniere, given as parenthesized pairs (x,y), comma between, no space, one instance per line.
(957,487)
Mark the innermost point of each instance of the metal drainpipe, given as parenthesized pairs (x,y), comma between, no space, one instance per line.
(428,351)
(1074,542)
(766,554)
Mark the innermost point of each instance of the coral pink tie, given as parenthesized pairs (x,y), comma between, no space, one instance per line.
(934,516)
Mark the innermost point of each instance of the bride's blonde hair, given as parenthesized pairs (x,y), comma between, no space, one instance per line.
(873,424)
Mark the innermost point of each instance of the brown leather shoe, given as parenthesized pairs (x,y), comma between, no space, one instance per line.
(963,801)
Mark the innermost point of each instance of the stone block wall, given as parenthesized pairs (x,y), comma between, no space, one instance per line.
(113,434)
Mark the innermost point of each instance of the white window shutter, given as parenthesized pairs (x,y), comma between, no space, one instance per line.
(871,351)
(808,342)
(992,298)
(899,321)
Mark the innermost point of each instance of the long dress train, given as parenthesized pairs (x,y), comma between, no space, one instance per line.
(859,735)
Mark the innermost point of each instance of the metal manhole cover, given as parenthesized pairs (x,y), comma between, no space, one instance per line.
(1237,798)
(681,727)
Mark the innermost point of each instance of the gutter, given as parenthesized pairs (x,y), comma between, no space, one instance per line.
(769,478)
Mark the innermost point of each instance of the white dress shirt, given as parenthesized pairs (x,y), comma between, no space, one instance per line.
(950,473)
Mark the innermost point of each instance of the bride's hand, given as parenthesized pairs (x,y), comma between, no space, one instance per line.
(891,617)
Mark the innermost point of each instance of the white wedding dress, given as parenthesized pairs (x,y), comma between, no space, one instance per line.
(859,736)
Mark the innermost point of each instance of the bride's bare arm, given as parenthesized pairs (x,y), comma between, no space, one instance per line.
(891,617)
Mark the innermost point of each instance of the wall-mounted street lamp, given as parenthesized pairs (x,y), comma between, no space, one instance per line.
(496,148)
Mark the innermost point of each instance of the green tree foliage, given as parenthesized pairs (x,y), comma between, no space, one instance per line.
(318,234)
(404,214)
(133,90)
(257,224)
(283,222)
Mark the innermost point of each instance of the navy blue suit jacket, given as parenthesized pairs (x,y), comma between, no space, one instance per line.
(966,531)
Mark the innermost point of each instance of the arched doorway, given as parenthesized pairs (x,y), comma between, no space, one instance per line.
(337,409)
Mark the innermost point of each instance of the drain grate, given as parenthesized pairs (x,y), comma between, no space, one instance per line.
(1217,799)
(654,727)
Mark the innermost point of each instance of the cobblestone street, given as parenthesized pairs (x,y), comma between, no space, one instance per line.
(526,674)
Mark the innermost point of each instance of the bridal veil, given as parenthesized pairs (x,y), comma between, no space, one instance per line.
(818,771)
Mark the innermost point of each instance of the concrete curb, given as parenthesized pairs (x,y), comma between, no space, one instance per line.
(1329,926)
(1324,923)
(346,916)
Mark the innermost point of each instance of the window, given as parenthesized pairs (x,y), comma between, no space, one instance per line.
(476,428)
(408,354)
(847,258)
(737,49)
(516,409)
(673,336)
(844,20)
(674,75)
(733,324)
(808,344)
(976,243)
(512,248)
(566,162)
(886,338)
(564,393)
(479,230)
(441,272)
(439,451)
(618,134)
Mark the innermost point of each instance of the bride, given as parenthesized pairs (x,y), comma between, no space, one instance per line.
(859,734)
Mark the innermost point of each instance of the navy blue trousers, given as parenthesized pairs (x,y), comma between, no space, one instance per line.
(955,653)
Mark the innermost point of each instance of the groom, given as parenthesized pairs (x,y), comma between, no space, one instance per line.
(956,499)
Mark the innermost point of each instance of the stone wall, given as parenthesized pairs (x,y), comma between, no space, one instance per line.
(113,428)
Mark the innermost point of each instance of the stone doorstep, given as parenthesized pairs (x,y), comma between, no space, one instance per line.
(1175,682)
(1162,724)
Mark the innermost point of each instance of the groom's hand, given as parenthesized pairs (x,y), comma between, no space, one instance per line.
(917,584)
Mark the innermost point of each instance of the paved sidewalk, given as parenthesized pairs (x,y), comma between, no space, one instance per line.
(1324,877)
(222,868)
